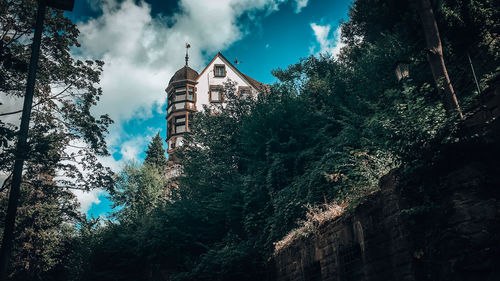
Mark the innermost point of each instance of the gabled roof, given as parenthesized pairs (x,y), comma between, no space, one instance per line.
(256,84)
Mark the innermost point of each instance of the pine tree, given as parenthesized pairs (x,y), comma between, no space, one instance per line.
(155,154)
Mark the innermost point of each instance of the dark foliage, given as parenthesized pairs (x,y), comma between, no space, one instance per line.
(326,132)
(64,138)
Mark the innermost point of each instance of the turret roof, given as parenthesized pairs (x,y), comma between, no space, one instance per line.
(185,73)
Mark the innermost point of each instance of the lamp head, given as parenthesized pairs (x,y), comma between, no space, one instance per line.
(66,5)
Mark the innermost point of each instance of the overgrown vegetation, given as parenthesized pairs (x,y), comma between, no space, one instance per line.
(315,217)
(326,132)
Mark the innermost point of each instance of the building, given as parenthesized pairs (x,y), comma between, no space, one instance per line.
(188,91)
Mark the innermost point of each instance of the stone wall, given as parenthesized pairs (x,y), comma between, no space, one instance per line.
(392,235)
(366,244)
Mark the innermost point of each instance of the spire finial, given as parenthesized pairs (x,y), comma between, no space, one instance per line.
(187,56)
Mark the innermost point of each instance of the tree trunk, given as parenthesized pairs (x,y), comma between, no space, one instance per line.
(435,58)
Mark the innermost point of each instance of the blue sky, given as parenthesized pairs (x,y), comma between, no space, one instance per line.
(142,44)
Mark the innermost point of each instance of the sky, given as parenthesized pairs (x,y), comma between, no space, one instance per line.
(142,43)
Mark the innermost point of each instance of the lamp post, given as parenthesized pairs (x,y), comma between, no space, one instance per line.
(21,147)
(401,70)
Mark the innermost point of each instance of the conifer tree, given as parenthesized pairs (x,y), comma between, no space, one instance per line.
(155,154)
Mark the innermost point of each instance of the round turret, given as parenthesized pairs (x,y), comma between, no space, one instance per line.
(181,103)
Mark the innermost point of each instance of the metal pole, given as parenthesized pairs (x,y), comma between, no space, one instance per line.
(474,74)
(21,148)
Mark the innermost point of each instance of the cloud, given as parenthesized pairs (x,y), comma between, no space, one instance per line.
(328,44)
(300,4)
(11,103)
(94,4)
(87,198)
(131,149)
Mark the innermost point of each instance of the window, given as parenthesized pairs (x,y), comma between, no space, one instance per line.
(171,128)
(180,96)
(190,93)
(219,70)
(216,94)
(180,124)
(244,92)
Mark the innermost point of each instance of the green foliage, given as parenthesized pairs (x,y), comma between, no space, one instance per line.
(44,231)
(155,154)
(326,132)
(64,140)
(64,135)
(129,240)
(137,192)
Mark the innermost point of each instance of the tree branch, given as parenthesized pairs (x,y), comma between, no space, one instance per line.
(40,102)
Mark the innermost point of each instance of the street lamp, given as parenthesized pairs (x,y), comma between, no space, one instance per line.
(21,147)
(402,70)
(65,5)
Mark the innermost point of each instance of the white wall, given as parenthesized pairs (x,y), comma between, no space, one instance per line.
(207,79)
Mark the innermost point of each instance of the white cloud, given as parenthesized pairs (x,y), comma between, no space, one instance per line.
(300,4)
(10,103)
(131,148)
(328,44)
(87,198)
(94,4)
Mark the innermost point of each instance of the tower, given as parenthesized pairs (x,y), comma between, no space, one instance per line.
(181,103)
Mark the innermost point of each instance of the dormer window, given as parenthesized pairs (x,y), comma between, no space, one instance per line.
(216,94)
(220,70)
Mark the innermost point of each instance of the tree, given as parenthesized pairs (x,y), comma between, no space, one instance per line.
(138,194)
(138,190)
(328,130)
(65,93)
(464,27)
(155,154)
(435,57)
(45,229)
(65,138)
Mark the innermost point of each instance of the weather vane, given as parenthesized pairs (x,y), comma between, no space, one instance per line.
(187,56)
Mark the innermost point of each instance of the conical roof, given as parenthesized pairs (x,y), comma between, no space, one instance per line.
(185,73)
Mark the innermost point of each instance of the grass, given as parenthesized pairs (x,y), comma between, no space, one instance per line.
(316,216)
